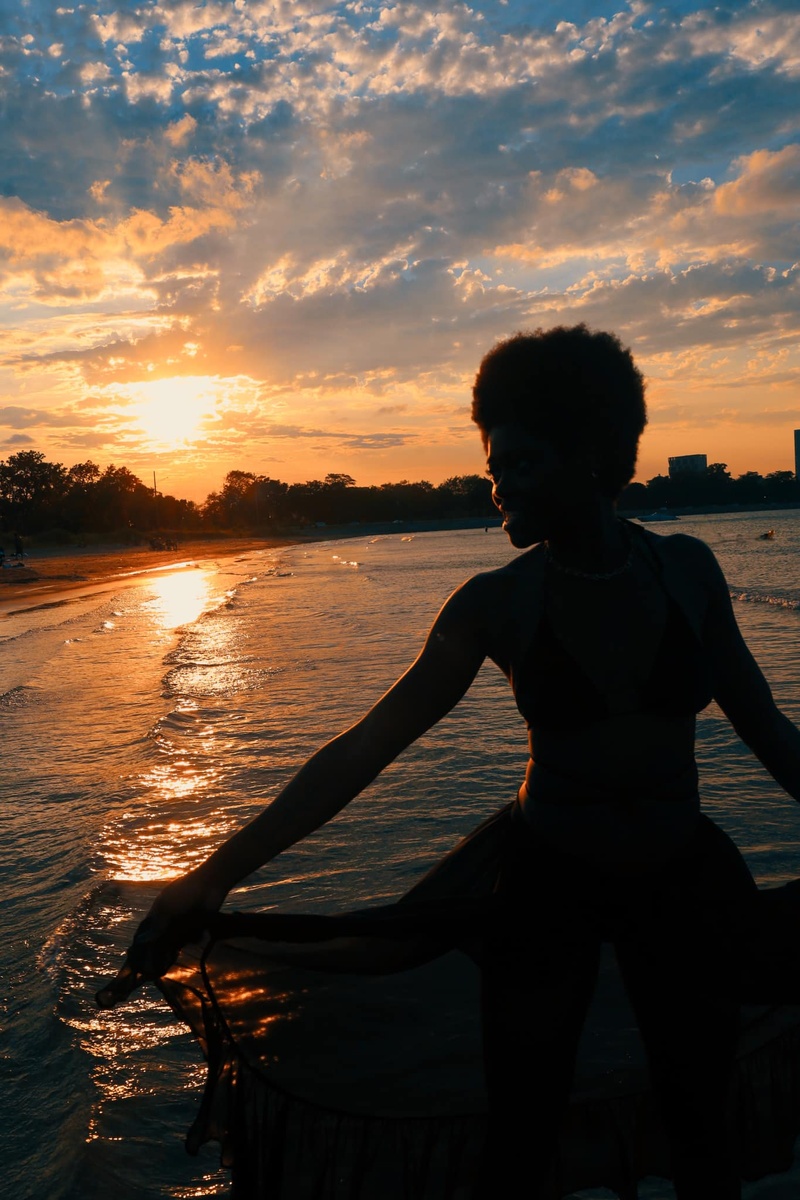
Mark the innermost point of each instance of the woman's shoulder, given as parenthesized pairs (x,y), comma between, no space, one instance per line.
(493,607)
(520,573)
(689,572)
(504,601)
(680,551)
(494,596)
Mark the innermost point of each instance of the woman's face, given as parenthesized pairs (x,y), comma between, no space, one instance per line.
(532,484)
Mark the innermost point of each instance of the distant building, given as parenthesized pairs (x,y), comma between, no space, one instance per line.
(797,453)
(692,464)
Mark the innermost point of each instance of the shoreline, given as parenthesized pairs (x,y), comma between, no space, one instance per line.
(53,575)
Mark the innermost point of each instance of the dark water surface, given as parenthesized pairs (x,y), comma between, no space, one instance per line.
(139,729)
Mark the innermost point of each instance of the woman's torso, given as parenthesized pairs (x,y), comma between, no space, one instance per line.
(608,674)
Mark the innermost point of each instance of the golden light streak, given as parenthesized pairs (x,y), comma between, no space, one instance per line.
(179,599)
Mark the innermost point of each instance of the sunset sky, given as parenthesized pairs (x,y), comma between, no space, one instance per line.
(278,237)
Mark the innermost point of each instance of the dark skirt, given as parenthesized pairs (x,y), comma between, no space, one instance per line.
(364,1079)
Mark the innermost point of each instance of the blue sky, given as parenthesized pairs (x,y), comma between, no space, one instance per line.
(279,236)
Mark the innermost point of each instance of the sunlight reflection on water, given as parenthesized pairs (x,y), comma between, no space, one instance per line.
(165,849)
(180,599)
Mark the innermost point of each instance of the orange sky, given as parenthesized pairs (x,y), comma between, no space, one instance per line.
(279,238)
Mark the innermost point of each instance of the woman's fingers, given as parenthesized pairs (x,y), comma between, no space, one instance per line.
(180,914)
(120,987)
(154,949)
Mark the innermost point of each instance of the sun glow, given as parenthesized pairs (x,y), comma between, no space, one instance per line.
(170,411)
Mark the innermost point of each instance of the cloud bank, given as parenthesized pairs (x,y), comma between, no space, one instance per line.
(325,213)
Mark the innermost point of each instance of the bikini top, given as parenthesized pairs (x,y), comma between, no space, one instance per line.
(553,691)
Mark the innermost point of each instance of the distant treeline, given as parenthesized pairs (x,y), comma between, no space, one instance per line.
(38,497)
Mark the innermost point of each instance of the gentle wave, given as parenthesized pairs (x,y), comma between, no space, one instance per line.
(760,598)
(19,696)
(215,679)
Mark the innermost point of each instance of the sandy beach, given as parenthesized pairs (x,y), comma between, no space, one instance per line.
(52,575)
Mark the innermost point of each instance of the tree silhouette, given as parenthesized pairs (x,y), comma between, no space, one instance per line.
(31,490)
(37,495)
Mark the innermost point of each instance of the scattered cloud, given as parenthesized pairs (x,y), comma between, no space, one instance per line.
(333,209)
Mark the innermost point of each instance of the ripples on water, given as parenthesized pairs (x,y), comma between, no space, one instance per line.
(142,728)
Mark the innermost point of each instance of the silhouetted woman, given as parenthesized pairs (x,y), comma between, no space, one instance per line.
(613,639)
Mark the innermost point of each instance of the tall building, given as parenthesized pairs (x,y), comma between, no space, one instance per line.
(692,464)
(797,453)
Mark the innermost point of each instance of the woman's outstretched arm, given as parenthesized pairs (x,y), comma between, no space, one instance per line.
(740,688)
(453,652)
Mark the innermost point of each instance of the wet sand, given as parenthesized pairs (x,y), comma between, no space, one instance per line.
(54,575)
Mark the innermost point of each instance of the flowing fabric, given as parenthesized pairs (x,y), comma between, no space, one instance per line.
(365,1079)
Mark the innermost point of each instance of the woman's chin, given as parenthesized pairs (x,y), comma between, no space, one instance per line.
(520,532)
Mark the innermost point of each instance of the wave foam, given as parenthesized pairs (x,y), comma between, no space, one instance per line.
(762,598)
(18,697)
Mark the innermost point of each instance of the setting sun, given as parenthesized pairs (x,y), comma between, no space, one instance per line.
(170,411)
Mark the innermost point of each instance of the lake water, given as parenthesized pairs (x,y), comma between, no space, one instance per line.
(139,728)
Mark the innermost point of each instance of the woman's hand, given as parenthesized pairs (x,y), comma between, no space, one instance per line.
(179,915)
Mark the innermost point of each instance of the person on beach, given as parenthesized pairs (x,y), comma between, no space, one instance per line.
(613,639)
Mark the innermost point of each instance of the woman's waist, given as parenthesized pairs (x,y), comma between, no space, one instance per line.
(575,784)
(614,827)
(634,749)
